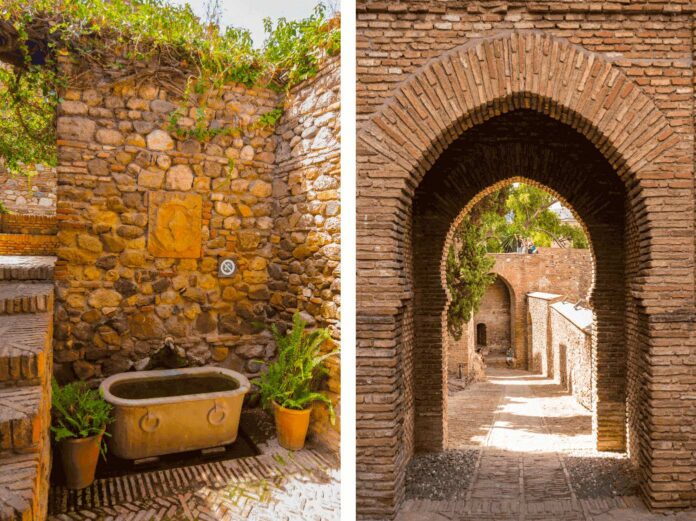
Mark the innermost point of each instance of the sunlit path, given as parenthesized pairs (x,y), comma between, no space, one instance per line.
(535,459)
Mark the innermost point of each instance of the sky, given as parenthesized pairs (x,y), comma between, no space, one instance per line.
(249,14)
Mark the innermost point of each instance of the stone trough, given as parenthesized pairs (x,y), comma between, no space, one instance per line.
(151,409)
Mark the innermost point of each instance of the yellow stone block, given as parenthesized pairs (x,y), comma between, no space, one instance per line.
(175,225)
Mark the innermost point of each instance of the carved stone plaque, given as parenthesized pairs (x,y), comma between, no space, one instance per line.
(175,222)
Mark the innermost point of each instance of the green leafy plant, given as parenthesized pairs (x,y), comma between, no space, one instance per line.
(78,412)
(292,379)
(467,273)
(137,41)
(270,118)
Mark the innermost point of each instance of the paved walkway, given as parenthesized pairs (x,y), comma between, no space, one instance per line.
(276,485)
(529,433)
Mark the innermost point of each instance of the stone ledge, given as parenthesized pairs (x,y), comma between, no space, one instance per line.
(21,267)
(24,353)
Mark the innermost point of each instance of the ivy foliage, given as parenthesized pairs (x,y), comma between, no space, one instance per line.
(138,40)
(467,273)
(292,379)
(78,411)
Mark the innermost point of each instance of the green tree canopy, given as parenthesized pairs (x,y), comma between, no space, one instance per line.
(525,217)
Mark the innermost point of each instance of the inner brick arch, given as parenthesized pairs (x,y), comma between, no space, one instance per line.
(510,298)
(553,157)
(401,143)
(520,343)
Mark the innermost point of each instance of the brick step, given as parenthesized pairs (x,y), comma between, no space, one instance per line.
(21,479)
(25,297)
(25,347)
(23,419)
(26,268)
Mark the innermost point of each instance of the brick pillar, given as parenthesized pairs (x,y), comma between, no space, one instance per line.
(430,355)
(609,340)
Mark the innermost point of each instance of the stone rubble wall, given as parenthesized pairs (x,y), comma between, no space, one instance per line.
(29,196)
(539,331)
(307,184)
(144,219)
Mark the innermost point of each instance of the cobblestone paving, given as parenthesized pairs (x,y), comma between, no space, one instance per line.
(278,485)
(526,427)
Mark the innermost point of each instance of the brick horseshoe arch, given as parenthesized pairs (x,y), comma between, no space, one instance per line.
(401,143)
(517,294)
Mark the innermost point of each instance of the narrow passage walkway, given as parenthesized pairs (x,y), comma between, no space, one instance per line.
(532,459)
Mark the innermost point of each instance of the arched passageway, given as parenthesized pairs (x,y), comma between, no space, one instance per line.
(549,154)
(495,319)
(517,105)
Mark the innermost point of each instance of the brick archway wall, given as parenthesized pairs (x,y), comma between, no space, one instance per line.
(401,302)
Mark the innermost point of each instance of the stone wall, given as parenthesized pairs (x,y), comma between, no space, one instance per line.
(306,185)
(432,78)
(539,331)
(35,195)
(561,338)
(145,219)
(571,346)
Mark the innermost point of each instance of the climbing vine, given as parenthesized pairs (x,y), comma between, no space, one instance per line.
(467,273)
(138,41)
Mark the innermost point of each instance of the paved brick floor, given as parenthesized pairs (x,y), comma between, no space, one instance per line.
(277,485)
(526,428)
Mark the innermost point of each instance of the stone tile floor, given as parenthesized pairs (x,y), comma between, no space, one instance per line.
(526,434)
(276,485)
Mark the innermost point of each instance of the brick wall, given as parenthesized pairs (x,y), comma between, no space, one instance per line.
(505,308)
(495,314)
(555,86)
(561,337)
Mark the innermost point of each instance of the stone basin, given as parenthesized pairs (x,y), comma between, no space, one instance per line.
(173,410)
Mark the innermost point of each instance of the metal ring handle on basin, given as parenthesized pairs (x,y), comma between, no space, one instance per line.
(219,411)
(149,422)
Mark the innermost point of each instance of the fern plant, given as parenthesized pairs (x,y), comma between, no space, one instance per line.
(291,380)
(78,411)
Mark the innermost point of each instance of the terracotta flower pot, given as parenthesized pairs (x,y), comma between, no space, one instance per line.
(79,457)
(291,426)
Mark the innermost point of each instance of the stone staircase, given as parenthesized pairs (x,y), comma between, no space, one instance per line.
(26,332)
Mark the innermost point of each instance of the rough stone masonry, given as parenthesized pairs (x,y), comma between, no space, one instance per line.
(590,100)
(145,218)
